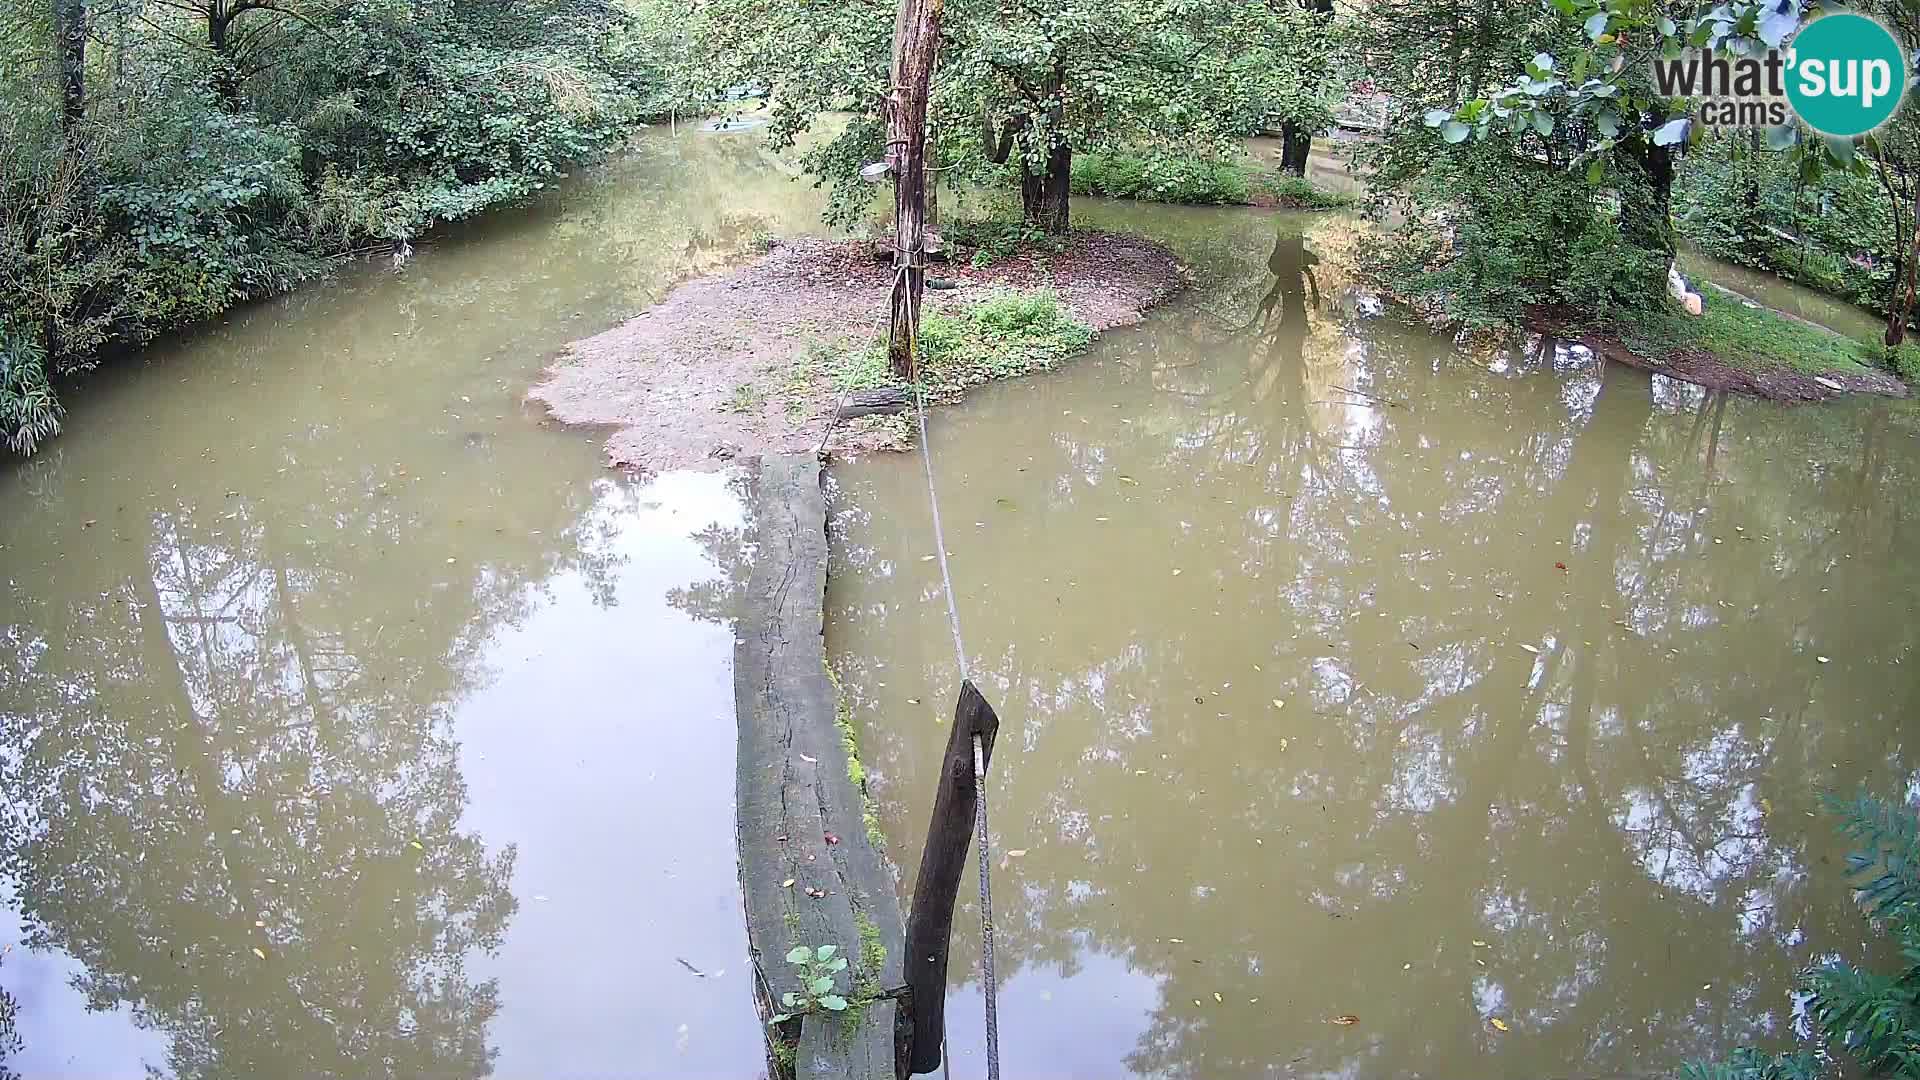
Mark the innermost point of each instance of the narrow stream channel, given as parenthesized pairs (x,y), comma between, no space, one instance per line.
(316,641)
(350,713)
(1359,691)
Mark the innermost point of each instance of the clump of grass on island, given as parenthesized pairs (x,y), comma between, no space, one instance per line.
(1011,333)
(1748,337)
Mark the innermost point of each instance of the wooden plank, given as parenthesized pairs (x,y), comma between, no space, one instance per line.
(942,864)
(794,790)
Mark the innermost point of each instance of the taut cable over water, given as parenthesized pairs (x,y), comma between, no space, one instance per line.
(978,743)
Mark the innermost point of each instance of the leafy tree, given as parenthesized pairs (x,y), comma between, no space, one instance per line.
(1025,86)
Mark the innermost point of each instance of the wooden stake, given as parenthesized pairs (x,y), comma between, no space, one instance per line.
(937,886)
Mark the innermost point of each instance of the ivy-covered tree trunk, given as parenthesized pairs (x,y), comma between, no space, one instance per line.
(1046,185)
(70,36)
(1296,142)
(226,73)
(1045,195)
(1646,207)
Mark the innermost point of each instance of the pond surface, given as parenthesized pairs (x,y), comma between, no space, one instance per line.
(348,714)
(1344,672)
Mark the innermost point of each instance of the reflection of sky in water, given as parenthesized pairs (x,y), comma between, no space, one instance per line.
(1081,1026)
(63,1040)
(600,744)
(604,749)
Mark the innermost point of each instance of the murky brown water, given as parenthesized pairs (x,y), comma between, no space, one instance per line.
(1510,700)
(315,641)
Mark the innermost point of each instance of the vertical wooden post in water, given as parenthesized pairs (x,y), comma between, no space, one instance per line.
(916,43)
(937,886)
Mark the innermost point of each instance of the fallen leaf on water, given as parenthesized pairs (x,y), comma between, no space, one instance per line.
(417,847)
(1016,853)
(1283,744)
(1706,986)
(1559,566)
(1822,659)
(1766,806)
(1346,1020)
(1177,941)
(1498,1024)
(913,701)
(1196,1001)
(832,838)
(1479,944)
(1125,479)
(816,893)
(787,884)
(927,558)
(1530,648)
(260,924)
(1176,573)
(1217,997)
(257,952)
(1278,704)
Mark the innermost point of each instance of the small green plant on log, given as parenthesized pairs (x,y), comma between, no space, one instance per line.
(817,967)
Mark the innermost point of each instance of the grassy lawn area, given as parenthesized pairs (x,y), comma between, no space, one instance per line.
(1745,337)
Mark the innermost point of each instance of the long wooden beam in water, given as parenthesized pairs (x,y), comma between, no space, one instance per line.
(809,873)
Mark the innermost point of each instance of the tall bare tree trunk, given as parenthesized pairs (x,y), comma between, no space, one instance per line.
(916,43)
(70,38)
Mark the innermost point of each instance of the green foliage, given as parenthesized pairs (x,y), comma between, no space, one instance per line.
(1745,204)
(1904,359)
(989,237)
(816,968)
(1485,238)
(200,180)
(1300,193)
(1162,177)
(1745,337)
(29,414)
(1071,76)
(1008,335)
(1871,1017)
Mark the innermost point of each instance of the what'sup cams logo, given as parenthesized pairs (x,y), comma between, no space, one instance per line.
(1841,74)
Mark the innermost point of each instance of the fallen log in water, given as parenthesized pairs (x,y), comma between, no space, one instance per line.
(874,403)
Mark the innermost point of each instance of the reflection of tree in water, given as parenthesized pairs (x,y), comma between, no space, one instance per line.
(730,550)
(1619,816)
(231,731)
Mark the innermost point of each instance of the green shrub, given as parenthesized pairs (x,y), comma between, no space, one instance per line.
(1485,237)
(1161,177)
(29,413)
(1904,359)
(1298,192)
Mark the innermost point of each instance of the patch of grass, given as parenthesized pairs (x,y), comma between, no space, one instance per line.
(1300,193)
(745,398)
(1747,337)
(1160,177)
(1011,333)
(1904,358)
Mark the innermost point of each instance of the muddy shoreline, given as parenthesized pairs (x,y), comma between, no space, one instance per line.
(717,370)
(1771,382)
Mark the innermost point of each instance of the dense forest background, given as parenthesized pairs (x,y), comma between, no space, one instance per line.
(164,160)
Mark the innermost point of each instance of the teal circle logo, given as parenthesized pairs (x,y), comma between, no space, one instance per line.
(1846,74)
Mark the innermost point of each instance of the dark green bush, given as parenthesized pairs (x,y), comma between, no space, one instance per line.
(1486,236)
(1161,177)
